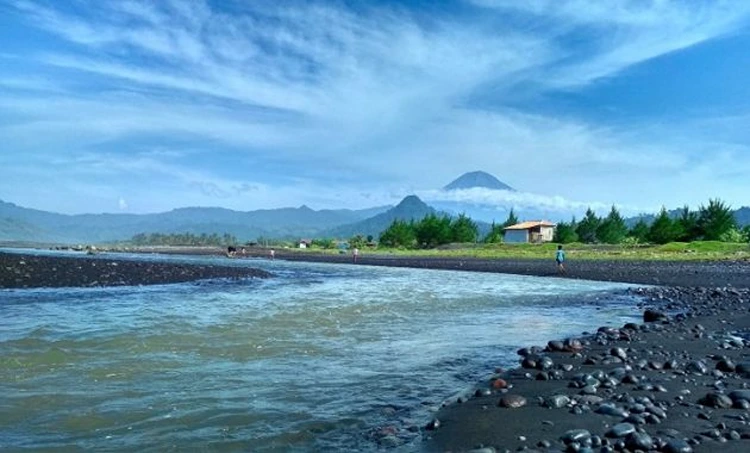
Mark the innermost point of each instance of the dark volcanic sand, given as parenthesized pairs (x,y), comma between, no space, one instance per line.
(666,273)
(34,271)
(678,383)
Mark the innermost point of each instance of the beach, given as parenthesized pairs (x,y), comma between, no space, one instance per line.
(675,382)
(45,271)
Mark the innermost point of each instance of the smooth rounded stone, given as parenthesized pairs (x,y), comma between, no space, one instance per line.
(483,450)
(545,363)
(639,441)
(651,315)
(556,401)
(512,401)
(716,400)
(530,361)
(588,390)
(712,433)
(696,366)
(611,410)
(635,419)
(740,395)
(726,365)
(637,408)
(619,353)
(630,379)
(671,365)
(542,376)
(620,430)
(566,367)
(656,410)
(556,345)
(573,345)
(655,365)
(499,383)
(575,435)
(733,435)
(589,399)
(741,404)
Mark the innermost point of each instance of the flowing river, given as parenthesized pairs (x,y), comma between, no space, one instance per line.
(320,357)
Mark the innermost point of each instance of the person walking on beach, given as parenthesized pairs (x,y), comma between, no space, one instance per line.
(355,254)
(272,254)
(559,259)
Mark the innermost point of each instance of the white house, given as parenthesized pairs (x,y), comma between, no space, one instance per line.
(531,231)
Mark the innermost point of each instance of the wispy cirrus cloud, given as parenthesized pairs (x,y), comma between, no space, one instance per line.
(385,95)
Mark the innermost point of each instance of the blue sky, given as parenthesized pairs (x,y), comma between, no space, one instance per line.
(141,106)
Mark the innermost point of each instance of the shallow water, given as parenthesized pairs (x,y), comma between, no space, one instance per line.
(321,357)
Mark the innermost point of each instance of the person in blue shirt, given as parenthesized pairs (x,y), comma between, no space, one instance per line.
(559,259)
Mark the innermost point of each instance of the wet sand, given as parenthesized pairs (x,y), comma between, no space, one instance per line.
(43,271)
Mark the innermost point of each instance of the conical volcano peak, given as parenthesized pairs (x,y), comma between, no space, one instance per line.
(477,179)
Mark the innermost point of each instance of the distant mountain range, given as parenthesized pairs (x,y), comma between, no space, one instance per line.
(23,224)
(30,225)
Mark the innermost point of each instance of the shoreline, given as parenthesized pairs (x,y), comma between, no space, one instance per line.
(675,383)
(719,273)
(20,270)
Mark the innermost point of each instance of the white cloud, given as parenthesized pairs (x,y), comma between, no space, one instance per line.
(385,97)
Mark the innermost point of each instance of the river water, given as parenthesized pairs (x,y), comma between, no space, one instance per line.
(319,358)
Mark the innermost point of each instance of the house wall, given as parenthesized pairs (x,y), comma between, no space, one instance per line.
(548,234)
(516,236)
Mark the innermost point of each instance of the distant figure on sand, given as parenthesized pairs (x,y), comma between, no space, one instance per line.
(355,254)
(272,254)
(559,259)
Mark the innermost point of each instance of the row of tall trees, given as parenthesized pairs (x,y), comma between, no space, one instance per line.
(187,239)
(431,231)
(712,222)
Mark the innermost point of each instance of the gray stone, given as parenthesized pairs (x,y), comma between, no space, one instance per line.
(716,400)
(620,430)
(556,345)
(557,401)
(696,366)
(619,352)
(639,441)
(651,315)
(512,401)
(726,365)
(611,410)
(575,435)
(740,395)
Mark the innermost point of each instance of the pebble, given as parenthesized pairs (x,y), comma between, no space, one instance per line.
(620,430)
(716,400)
(575,435)
(512,401)
(611,410)
(677,446)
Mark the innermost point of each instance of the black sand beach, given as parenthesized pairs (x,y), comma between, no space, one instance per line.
(38,271)
(677,382)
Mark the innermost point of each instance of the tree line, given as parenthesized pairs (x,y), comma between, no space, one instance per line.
(186,239)
(712,222)
(433,230)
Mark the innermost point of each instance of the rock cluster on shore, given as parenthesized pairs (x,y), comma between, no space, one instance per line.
(678,382)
